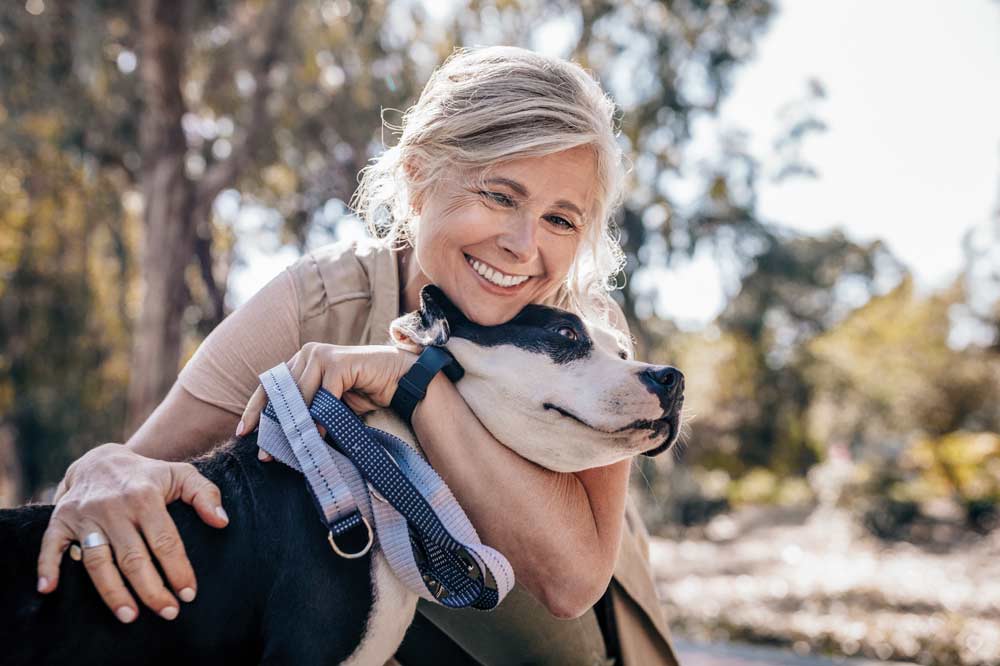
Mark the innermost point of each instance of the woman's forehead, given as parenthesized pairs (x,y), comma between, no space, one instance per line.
(568,177)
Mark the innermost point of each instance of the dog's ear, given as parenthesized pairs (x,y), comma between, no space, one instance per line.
(429,325)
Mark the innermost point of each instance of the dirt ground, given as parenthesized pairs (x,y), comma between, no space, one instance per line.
(816,583)
(714,654)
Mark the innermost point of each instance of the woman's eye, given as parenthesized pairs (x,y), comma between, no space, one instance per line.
(499,198)
(563,223)
(568,332)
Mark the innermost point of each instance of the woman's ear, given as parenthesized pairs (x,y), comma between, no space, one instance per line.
(427,327)
(413,175)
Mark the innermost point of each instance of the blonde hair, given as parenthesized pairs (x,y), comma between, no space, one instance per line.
(488,105)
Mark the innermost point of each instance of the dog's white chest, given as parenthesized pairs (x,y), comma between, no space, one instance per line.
(391,615)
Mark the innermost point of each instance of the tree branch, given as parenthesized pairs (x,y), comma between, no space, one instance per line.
(223,174)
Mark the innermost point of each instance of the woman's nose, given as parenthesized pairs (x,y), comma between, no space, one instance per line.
(519,238)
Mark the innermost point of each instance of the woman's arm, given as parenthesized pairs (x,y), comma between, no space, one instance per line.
(560,531)
(181,427)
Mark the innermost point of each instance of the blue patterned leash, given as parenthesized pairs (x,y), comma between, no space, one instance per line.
(423,532)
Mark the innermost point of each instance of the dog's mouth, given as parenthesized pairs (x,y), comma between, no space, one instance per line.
(570,415)
(664,429)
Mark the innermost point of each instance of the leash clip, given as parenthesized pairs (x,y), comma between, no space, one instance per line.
(348,555)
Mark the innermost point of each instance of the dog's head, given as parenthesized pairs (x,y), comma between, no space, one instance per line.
(552,388)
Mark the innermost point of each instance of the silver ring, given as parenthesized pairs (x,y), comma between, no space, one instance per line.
(93,540)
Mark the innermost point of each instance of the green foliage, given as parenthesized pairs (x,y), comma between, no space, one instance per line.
(962,464)
(888,374)
(63,337)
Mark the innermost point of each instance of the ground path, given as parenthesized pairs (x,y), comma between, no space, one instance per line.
(699,654)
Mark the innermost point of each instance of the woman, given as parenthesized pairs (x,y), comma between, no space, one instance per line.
(500,191)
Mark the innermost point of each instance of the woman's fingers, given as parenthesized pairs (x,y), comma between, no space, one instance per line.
(60,490)
(55,540)
(161,534)
(251,413)
(358,403)
(101,567)
(193,488)
(315,365)
(135,563)
(258,400)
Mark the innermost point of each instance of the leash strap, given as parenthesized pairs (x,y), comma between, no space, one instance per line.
(424,533)
(290,434)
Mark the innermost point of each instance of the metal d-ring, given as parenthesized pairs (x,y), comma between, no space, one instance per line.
(360,553)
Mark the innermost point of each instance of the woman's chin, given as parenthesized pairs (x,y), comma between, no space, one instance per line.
(490,318)
(478,313)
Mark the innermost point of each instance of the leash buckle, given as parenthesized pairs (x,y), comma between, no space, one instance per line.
(349,555)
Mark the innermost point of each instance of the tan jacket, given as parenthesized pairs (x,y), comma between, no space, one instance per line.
(348,293)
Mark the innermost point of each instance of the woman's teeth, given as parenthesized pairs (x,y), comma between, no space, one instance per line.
(494,276)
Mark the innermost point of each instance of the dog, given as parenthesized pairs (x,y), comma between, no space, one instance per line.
(270,589)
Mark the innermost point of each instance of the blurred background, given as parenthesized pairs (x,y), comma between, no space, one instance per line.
(813,233)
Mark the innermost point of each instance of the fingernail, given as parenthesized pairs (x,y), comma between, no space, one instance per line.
(125,614)
(261,455)
(186,595)
(239,428)
(43,583)
(221,513)
(169,613)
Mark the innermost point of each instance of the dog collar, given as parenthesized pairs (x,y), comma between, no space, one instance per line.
(413,385)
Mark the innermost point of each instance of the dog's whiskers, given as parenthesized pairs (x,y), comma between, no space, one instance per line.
(679,447)
(649,486)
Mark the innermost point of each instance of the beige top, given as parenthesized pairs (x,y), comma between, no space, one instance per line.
(348,293)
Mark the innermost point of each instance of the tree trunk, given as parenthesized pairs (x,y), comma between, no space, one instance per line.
(169,199)
(174,206)
(11,480)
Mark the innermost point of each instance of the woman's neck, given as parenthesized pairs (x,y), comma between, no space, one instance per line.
(411,280)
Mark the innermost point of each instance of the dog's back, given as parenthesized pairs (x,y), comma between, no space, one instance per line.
(269,587)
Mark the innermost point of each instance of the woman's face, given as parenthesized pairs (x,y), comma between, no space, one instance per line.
(494,251)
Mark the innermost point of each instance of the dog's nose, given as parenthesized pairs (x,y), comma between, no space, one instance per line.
(666,380)
(669,378)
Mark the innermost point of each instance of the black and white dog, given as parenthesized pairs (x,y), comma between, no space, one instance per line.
(553,389)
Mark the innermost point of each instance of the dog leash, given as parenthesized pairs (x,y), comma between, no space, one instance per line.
(423,532)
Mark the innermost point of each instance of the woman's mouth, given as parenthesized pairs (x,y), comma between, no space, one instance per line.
(494,279)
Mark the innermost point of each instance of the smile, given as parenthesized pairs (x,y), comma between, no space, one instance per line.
(494,276)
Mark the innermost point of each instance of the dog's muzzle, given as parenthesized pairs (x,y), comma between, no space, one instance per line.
(667,384)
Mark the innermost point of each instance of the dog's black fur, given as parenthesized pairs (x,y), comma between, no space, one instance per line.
(270,589)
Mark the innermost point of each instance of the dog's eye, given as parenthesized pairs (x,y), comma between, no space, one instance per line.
(568,332)
(623,355)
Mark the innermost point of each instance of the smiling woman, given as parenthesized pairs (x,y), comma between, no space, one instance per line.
(529,139)
(500,191)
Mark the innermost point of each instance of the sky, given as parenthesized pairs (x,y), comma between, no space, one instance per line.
(911,154)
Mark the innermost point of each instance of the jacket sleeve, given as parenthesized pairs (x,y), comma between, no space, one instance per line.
(258,335)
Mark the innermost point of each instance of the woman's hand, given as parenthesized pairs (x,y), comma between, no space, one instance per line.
(364,377)
(123,496)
